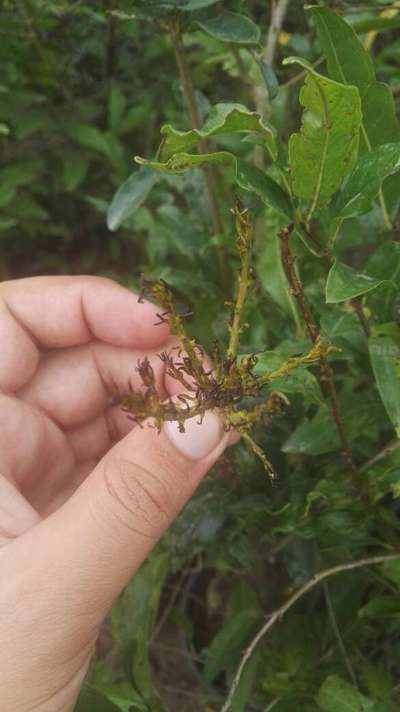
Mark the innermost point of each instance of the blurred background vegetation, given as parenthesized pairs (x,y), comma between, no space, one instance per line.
(84,87)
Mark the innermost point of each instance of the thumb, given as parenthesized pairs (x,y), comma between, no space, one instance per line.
(85,553)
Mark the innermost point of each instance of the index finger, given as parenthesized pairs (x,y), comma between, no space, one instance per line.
(59,312)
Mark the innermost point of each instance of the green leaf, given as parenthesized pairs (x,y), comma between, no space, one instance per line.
(365,180)
(197,5)
(7,194)
(326,148)
(377,102)
(19,173)
(124,696)
(385,606)
(270,271)
(231,27)
(299,381)
(348,61)
(130,196)
(75,166)
(336,694)
(133,620)
(385,354)
(391,571)
(246,683)
(251,178)
(384,264)
(376,24)
(222,119)
(90,700)
(230,638)
(90,137)
(116,107)
(345,283)
(314,437)
(247,176)
(269,78)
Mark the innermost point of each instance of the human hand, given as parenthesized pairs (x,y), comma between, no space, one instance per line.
(84,495)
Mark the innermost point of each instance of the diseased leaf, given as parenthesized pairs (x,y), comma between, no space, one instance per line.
(345,283)
(231,27)
(350,63)
(326,148)
(223,119)
(337,694)
(385,358)
(181,162)
(130,196)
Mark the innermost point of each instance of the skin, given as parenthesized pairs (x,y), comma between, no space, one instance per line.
(84,494)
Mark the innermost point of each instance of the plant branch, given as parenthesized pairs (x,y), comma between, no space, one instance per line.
(280,612)
(387,450)
(195,120)
(296,289)
(277,18)
(358,308)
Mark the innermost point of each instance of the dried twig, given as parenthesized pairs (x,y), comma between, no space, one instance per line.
(280,612)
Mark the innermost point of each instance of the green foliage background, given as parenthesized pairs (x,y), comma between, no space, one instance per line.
(85,87)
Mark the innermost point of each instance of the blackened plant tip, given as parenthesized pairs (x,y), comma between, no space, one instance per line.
(230,382)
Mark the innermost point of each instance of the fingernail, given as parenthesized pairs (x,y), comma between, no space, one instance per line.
(199,439)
